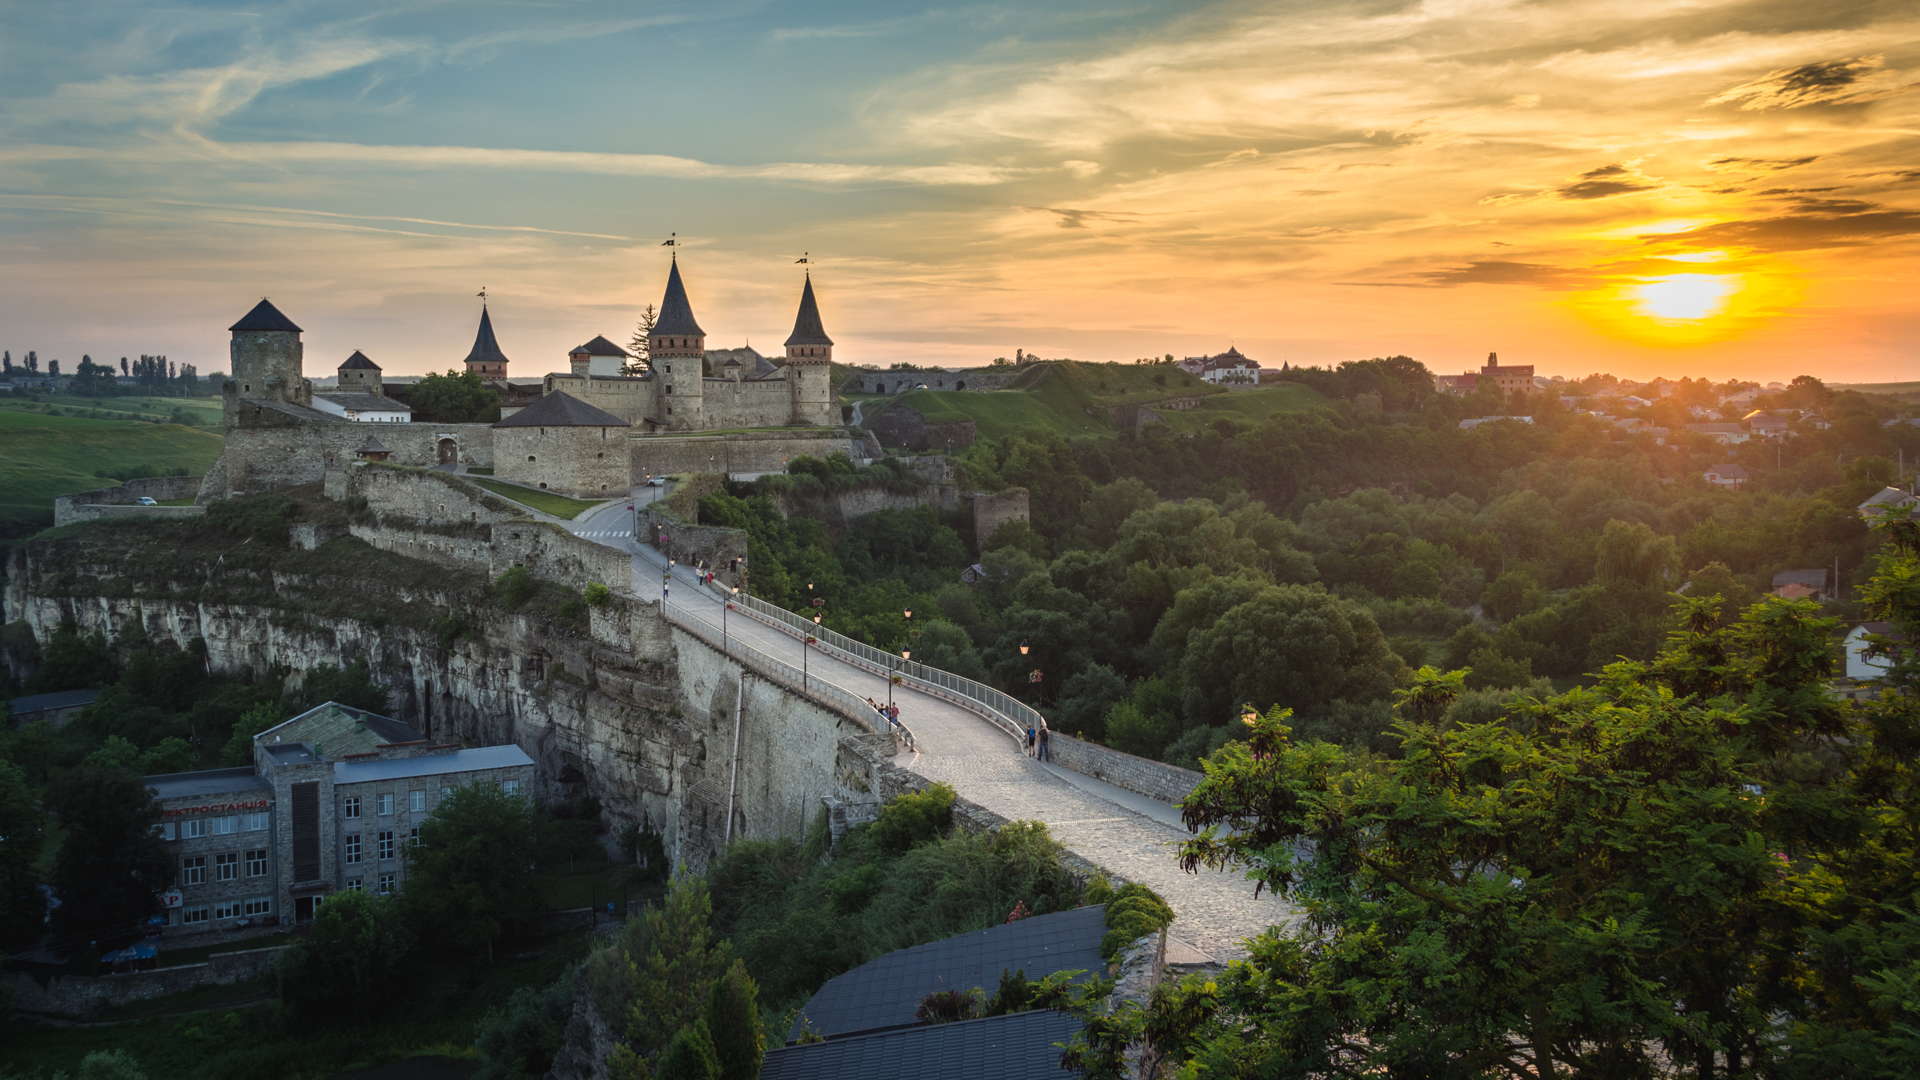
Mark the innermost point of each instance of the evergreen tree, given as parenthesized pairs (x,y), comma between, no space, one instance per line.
(111,865)
(641,343)
(733,1021)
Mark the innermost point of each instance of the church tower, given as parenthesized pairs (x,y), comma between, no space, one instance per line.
(265,354)
(677,349)
(809,363)
(485,358)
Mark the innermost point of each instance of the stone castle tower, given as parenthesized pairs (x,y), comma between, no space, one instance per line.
(677,349)
(809,362)
(360,375)
(485,358)
(266,355)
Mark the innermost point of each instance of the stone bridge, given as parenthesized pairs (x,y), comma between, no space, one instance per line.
(970,736)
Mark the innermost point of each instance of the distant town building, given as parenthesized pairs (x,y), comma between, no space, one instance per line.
(1888,501)
(1473,422)
(1507,378)
(1862,666)
(1816,584)
(1231,367)
(55,709)
(331,801)
(1729,434)
(1726,475)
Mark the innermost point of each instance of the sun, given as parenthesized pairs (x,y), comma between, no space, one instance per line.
(1684,297)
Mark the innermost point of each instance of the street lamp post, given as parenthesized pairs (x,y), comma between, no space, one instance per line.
(807,639)
(724,608)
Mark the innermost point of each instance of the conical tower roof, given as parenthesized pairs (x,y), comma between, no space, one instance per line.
(676,314)
(486,350)
(806,324)
(265,316)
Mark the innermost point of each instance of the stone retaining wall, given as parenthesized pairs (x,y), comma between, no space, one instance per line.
(1168,783)
(87,995)
(123,500)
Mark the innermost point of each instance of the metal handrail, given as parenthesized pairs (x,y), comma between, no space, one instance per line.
(1004,711)
(834,696)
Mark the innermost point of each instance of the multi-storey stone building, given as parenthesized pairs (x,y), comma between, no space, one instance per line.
(332,801)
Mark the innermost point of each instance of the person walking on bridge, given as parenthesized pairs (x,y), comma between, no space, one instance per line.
(1042,750)
(1030,740)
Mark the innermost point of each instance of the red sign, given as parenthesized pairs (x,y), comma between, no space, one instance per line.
(214,808)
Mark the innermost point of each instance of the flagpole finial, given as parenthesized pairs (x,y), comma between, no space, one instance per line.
(483,296)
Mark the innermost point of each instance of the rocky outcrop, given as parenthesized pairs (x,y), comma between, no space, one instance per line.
(610,701)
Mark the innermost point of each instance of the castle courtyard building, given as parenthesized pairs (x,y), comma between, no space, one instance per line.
(560,443)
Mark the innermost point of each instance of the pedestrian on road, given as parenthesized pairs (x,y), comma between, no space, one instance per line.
(893,715)
(1046,752)
(1030,740)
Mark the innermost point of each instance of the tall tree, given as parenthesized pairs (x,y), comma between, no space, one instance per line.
(111,866)
(473,870)
(22,824)
(639,347)
(457,397)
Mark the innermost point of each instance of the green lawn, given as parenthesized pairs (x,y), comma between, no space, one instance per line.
(559,506)
(1895,389)
(42,456)
(205,411)
(1065,398)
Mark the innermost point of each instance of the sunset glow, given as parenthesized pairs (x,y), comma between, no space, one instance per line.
(1613,188)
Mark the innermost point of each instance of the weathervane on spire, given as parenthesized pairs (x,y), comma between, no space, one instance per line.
(483,296)
(672,241)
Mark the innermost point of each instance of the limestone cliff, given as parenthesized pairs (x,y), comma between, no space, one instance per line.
(610,701)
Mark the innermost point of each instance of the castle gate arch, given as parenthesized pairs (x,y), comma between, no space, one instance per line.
(447,451)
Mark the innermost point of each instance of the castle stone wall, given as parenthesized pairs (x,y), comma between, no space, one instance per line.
(586,462)
(1157,779)
(276,450)
(898,382)
(761,451)
(990,511)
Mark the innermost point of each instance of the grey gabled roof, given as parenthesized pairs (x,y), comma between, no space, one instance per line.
(265,316)
(1813,579)
(359,360)
(600,346)
(505,756)
(1020,1046)
(205,782)
(59,699)
(676,312)
(372,446)
(561,409)
(884,992)
(486,349)
(366,402)
(806,322)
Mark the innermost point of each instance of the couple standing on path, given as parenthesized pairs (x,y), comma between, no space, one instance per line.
(1037,747)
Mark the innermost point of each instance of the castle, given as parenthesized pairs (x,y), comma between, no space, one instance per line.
(593,432)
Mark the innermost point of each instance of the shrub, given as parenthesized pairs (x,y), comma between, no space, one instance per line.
(1013,995)
(513,588)
(948,1006)
(1134,912)
(596,594)
(521,1038)
(913,818)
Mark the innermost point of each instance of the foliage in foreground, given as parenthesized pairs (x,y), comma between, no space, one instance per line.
(1701,866)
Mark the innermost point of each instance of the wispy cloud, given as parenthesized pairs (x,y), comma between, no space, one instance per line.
(1828,82)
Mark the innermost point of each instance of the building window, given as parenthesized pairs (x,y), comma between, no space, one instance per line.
(257,905)
(353,848)
(257,862)
(165,830)
(226,826)
(386,846)
(445,791)
(413,836)
(194,916)
(227,909)
(669,388)
(386,803)
(353,884)
(385,886)
(350,807)
(255,822)
(226,866)
(193,828)
(417,801)
(510,787)
(193,870)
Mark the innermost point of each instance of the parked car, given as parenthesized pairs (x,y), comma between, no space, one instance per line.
(145,501)
(656,481)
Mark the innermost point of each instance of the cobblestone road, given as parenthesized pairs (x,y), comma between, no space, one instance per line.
(1128,834)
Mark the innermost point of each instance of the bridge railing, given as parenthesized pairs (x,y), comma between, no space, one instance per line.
(1004,711)
(835,697)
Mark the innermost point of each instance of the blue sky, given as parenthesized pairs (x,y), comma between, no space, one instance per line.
(1311,181)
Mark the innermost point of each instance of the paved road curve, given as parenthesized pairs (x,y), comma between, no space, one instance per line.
(1131,835)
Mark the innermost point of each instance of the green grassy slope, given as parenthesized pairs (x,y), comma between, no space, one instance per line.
(1255,405)
(1065,398)
(1891,389)
(205,411)
(42,456)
